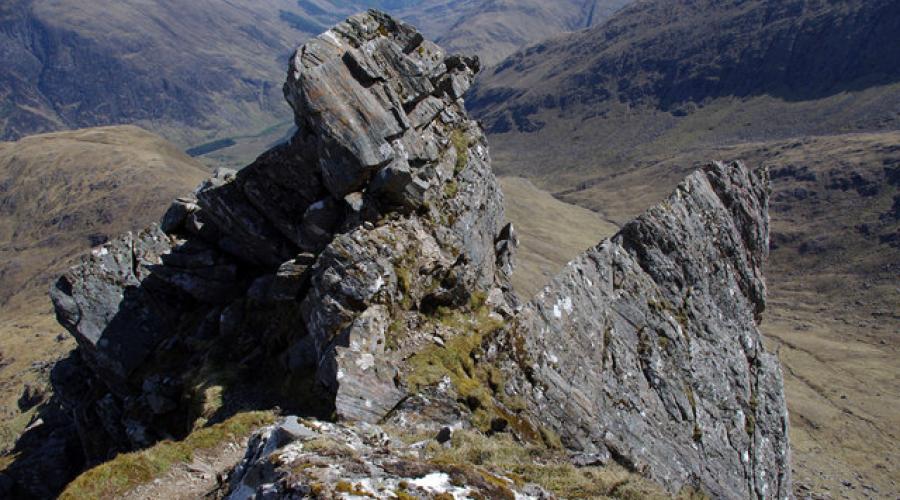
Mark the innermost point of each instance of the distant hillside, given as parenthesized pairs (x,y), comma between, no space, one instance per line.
(187,69)
(495,29)
(662,75)
(60,194)
(66,191)
(204,71)
(551,233)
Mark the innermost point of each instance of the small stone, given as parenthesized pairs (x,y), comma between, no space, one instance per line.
(319,223)
(592,459)
(398,184)
(444,435)
(177,214)
(32,395)
(291,279)
(499,425)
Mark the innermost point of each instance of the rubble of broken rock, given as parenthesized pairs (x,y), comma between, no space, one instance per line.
(304,458)
(299,458)
(359,275)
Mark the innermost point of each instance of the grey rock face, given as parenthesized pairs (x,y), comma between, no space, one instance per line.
(361,85)
(371,89)
(117,312)
(646,347)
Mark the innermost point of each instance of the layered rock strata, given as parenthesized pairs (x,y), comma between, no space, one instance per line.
(646,347)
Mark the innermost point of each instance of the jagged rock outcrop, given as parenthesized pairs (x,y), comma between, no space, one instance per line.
(361,272)
(646,347)
(293,269)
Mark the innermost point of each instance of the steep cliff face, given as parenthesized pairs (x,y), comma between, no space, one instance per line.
(646,347)
(361,272)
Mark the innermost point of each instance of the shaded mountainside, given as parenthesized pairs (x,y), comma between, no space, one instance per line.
(494,29)
(207,70)
(101,63)
(60,193)
(662,76)
(361,271)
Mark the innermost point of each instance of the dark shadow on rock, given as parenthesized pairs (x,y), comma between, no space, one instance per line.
(198,365)
(174,334)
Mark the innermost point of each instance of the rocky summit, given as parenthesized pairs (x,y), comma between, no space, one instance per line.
(358,275)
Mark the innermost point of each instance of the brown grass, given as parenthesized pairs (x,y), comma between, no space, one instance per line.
(500,456)
(129,470)
(550,232)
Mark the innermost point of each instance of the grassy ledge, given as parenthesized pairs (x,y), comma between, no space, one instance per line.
(129,470)
(500,456)
(461,143)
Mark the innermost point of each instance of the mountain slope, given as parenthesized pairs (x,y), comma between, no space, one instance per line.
(664,75)
(551,233)
(494,29)
(59,194)
(205,70)
(351,274)
(203,66)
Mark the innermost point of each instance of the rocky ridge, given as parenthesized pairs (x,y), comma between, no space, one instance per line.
(361,272)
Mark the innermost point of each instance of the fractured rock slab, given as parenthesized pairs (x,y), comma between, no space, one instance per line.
(647,346)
